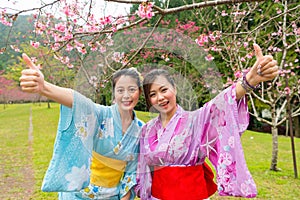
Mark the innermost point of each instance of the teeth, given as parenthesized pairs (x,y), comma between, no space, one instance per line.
(126,103)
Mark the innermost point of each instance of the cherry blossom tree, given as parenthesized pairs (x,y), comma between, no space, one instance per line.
(276,28)
(225,29)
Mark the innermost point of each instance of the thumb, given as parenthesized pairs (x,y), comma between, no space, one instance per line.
(258,52)
(29,63)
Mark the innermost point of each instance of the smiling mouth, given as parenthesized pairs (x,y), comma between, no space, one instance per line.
(126,103)
(163,104)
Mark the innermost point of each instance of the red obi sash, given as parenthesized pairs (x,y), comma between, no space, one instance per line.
(183,182)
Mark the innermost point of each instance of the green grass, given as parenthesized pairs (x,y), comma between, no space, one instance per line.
(16,153)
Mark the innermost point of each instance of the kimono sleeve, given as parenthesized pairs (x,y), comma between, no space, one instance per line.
(69,168)
(144,180)
(129,180)
(224,119)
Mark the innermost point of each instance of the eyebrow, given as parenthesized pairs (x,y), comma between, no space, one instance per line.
(158,89)
(135,86)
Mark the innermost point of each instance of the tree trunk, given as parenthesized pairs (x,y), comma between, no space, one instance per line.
(297,128)
(275,149)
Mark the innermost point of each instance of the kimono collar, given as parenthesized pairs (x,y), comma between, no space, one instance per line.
(117,116)
(178,114)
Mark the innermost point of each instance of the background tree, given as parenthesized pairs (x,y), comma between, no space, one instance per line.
(226,31)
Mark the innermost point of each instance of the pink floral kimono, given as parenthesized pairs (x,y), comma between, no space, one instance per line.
(190,137)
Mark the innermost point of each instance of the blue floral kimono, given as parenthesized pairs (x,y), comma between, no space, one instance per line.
(89,129)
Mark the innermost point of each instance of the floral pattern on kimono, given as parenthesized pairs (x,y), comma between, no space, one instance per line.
(84,128)
(190,137)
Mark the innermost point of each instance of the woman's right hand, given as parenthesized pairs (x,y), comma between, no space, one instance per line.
(32,79)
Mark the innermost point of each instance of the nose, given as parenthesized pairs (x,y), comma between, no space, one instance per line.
(126,94)
(160,96)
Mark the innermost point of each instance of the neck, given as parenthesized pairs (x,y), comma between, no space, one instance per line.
(126,118)
(126,115)
(166,117)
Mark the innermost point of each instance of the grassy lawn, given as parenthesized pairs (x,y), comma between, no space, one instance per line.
(23,164)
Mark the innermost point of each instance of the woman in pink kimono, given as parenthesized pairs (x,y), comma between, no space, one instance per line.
(174,145)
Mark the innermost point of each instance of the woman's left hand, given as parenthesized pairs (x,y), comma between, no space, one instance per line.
(264,69)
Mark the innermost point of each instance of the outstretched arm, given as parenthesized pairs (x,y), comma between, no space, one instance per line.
(32,81)
(264,69)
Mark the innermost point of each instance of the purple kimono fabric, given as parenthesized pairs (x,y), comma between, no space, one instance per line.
(190,137)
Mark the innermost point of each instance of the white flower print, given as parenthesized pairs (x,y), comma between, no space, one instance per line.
(109,128)
(77,177)
(231,141)
(81,128)
(177,145)
(225,158)
(224,178)
(245,189)
(163,147)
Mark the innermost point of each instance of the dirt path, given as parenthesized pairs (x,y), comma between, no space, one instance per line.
(16,168)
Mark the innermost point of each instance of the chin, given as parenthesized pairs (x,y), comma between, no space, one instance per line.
(127,107)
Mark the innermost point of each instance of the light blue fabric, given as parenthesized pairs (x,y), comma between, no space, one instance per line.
(82,129)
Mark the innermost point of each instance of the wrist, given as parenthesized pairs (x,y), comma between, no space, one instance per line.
(250,85)
(251,80)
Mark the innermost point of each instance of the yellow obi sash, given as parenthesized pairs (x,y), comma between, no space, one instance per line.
(106,172)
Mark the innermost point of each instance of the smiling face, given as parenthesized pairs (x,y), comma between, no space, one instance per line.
(162,96)
(126,93)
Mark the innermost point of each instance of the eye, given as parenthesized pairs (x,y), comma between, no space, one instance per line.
(120,90)
(151,95)
(132,90)
(164,90)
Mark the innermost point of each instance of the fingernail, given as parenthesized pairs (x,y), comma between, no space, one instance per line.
(259,66)
(259,72)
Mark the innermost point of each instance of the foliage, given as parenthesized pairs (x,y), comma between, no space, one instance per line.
(11,37)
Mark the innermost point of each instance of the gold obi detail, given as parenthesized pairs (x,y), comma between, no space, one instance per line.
(106,172)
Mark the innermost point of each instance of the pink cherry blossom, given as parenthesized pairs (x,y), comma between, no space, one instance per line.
(238,74)
(34,44)
(287,90)
(61,27)
(224,13)
(209,57)
(15,48)
(145,10)
(117,56)
(201,40)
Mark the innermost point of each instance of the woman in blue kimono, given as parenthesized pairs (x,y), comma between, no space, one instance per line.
(95,151)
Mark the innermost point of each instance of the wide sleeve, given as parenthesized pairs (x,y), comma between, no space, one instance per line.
(144,179)
(129,180)
(69,168)
(223,120)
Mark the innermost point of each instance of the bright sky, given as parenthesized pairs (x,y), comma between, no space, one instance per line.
(101,6)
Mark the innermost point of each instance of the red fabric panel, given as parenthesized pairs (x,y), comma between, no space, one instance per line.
(177,182)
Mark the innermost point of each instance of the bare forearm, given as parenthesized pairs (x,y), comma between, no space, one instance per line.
(58,94)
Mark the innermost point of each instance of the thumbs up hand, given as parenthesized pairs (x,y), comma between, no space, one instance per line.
(32,79)
(264,69)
